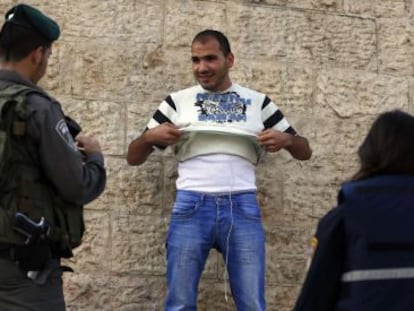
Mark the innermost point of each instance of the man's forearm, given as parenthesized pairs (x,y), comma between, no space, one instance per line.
(300,149)
(138,151)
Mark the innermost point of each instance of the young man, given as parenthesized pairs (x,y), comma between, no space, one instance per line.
(218,130)
(44,178)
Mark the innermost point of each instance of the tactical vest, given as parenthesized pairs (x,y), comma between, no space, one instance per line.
(379,231)
(23,186)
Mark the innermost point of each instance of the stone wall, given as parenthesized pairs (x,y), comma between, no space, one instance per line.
(331,65)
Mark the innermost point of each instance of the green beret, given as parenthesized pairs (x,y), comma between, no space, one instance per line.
(27,16)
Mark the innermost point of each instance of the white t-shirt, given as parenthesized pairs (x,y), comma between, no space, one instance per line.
(216,173)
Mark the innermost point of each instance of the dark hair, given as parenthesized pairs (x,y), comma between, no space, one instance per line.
(388,147)
(16,42)
(219,36)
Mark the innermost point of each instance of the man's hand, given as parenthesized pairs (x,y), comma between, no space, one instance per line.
(140,148)
(164,134)
(87,143)
(272,140)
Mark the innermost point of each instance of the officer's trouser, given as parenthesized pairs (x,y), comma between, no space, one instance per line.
(19,293)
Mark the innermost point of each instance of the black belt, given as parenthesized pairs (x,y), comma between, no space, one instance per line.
(7,251)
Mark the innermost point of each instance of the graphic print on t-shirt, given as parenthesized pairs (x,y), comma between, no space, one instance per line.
(222,108)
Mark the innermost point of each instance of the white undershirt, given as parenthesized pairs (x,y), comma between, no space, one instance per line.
(216,173)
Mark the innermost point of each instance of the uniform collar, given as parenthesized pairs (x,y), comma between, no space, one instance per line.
(13,77)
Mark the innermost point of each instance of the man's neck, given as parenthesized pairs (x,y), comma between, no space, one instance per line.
(20,67)
(221,90)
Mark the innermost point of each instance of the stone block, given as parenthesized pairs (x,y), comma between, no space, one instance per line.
(184,19)
(384,8)
(139,21)
(92,256)
(103,119)
(85,292)
(346,94)
(323,5)
(395,46)
(289,270)
(212,296)
(138,244)
(281,297)
(89,69)
(314,38)
(133,190)
(135,292)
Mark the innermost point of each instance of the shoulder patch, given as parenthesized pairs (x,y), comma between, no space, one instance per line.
(64,133)
(314,243)
(311,251)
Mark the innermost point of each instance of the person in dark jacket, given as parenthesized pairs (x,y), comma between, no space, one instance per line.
(44,177)
(364,258)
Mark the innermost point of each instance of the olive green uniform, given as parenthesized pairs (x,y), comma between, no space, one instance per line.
(72,177)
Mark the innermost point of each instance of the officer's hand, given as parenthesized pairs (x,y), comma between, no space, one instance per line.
(164,134)
(273,141)
(87,143)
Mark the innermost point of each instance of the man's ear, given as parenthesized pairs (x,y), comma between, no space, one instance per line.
(230,60)
(36,55)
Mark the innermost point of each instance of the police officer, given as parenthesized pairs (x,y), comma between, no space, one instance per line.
(364,257)
(44,178)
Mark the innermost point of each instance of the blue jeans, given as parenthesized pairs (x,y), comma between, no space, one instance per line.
(232,225)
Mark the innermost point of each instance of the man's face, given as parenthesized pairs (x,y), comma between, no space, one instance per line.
(210,66)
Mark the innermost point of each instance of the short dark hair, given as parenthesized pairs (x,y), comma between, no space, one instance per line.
(388,147)
(219,36)
(16,42)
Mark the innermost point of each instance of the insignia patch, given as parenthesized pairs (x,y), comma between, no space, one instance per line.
(314,243)
(311,251)
(63,131)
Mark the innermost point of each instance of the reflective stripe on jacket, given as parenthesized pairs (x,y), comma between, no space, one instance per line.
(379,234)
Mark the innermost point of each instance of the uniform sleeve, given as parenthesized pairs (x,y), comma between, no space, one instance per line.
(75,179)
(320,291)
(273,117)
